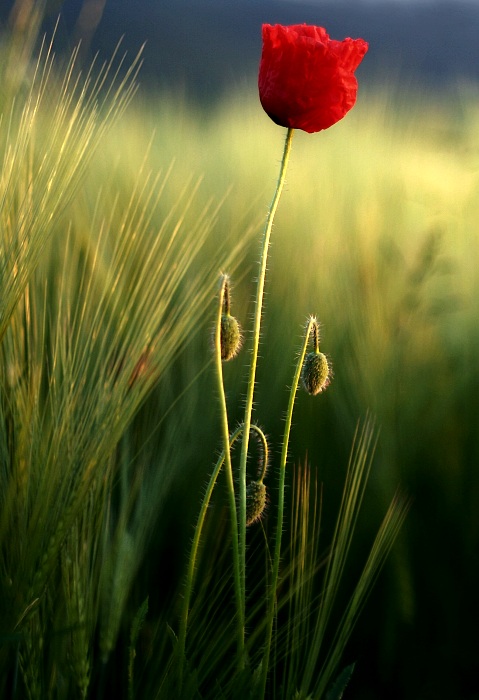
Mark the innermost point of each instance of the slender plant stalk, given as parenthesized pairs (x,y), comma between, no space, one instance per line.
(190,575)
(271,600)
(254,356)
(240,605)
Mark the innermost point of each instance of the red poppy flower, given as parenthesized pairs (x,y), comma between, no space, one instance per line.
(306,80)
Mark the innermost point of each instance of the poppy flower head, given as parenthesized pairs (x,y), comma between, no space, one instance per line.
(306,80)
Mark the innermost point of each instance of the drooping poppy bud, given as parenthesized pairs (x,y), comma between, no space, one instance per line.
(315,373)
(230,337)
(255,501)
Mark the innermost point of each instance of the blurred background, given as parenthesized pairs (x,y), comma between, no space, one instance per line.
(377,235)
(208,48)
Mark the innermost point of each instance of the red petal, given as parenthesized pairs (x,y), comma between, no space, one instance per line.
(306,80)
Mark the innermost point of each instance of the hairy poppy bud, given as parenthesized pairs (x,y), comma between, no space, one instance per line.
(315,373)
(255,501)
(230,337)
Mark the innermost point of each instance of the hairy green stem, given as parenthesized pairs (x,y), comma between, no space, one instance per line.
(271,600)
(240,605)
(254,356)
(190,574)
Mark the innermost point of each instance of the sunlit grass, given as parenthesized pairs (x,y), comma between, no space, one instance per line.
(99,301)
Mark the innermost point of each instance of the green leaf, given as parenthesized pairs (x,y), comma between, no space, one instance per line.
(339,686)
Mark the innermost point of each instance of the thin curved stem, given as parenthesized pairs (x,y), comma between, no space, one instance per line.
(271,601)
(265,456)
(190,574)
(254,356)
(240,604)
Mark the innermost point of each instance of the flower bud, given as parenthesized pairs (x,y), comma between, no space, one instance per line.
(255,501)
(230,339)
(315,373)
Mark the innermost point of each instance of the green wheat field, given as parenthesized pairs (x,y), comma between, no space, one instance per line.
(119,210)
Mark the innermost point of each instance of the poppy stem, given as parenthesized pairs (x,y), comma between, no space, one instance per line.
(254,357)
(192,562)
(271,598)
(223,307)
